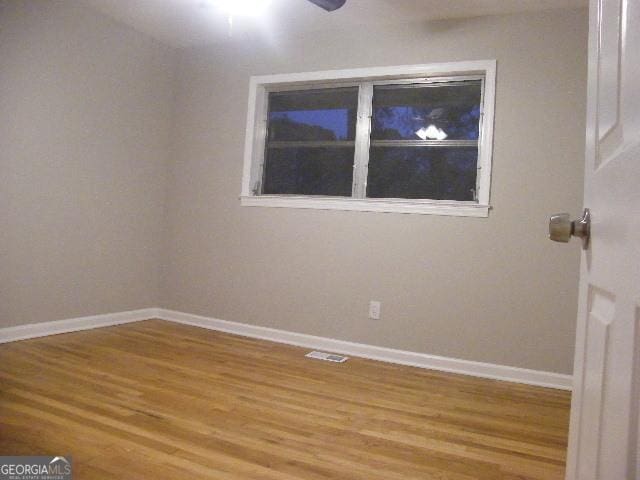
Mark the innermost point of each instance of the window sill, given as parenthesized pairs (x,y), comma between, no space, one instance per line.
(424,207)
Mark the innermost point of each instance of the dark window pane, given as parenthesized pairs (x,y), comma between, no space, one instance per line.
(437,173)
(309,171)
(313,115)
(431,112)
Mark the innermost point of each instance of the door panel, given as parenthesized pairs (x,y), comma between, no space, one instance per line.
(596,339)
(609,67)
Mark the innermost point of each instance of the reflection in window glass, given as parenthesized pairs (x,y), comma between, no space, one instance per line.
(437,173)
(309,171)
(434,111)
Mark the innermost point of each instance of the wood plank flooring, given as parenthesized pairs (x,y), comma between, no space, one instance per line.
(158,400)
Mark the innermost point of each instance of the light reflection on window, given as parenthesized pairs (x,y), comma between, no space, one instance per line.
(431,133)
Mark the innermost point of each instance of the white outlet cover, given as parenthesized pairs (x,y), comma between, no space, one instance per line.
(374,310)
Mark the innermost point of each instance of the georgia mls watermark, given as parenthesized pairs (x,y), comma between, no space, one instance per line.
(35,468)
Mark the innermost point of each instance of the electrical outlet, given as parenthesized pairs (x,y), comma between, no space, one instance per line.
(374,310)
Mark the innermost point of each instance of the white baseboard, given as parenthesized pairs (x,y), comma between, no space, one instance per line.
(422,360)
(34,330)
(383,354)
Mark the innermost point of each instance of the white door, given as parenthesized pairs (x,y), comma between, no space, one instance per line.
(603,441)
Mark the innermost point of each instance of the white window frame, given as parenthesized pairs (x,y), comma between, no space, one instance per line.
(256,131)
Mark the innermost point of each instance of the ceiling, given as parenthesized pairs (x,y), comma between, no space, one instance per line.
(182,23)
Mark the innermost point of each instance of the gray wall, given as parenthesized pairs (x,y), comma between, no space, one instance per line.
(86,110)
(119,189)
(493,290)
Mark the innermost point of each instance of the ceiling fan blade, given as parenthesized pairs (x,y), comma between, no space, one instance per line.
(329,5)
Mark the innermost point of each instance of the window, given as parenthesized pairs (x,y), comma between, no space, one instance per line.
(411,139)
(310,142)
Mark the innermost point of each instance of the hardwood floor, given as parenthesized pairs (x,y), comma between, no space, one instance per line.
(160,400)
